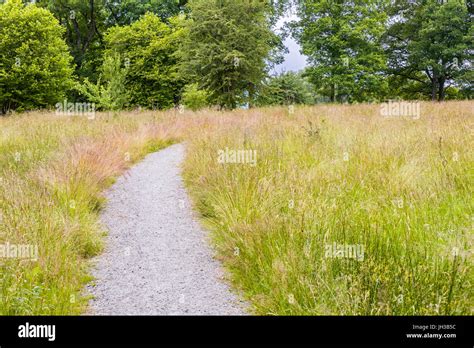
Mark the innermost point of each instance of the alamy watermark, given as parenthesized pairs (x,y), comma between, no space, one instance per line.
(19,251)
(347,251)
(75,109)
(237,156)
(398,108)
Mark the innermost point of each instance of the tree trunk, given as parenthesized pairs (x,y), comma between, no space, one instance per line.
(434,83)
(251,94)
(441,89)
(333,93)
(433,88)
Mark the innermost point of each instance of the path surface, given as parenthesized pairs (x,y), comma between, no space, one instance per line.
(157,260)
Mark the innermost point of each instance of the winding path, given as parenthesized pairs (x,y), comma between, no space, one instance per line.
(157,260)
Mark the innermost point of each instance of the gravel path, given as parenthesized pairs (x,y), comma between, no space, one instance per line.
(157,260)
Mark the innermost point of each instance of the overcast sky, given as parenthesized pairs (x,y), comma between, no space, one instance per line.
(294,60)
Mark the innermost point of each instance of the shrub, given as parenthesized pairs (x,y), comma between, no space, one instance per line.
(285,89)
(109,93)
(194,98)
(35,65)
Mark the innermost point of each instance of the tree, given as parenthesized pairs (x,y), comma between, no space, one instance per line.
(342,42)
(35,66)
(226,47)
(148,47)
(285,89)
(84,21)
(430,43)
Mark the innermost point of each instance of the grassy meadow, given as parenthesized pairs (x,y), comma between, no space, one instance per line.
(397,190)
(52,172)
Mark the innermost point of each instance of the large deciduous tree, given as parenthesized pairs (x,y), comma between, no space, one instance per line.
(431,44)
(84,21)
(342,41)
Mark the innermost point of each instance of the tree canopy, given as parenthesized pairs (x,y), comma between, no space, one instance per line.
(342,42)
(225,48)
(163,53)
(148,48)
(35,69)
(430,44)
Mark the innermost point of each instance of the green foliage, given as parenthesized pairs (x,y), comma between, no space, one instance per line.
(194,98)
(34,61)
(87,21)
(430,44)
(342,42)
(125,12)
(363,50)
(285,89)
(226,47)
(84,23)
(110,92)
(148,46)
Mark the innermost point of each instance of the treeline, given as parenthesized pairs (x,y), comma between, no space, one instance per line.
(164,53)
(364,50)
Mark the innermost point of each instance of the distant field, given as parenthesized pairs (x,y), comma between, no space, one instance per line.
(314,210)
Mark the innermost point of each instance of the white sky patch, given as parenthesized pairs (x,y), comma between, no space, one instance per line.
(294,60)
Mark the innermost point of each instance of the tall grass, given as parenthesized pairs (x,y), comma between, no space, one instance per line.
(52,172)
(401,189)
